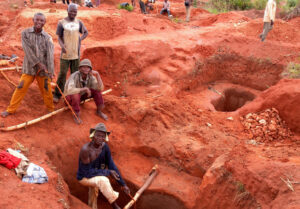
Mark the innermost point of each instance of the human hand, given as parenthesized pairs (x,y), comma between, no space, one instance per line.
(272,22)
(88,91)
(42,67)
(64,49)
(94,72)
(114,174)
(126,190)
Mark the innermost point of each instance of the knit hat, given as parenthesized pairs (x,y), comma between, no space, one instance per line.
(85,62)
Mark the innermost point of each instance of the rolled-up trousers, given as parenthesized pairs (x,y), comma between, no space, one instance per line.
(99,183)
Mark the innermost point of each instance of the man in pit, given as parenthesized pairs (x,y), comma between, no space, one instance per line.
(96,165)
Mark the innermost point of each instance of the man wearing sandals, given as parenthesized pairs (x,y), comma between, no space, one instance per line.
(38,64)
(84,84)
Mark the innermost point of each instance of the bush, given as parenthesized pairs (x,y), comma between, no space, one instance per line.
(226,5)
(127,7)
(260,4)
(292,3)
(292,71)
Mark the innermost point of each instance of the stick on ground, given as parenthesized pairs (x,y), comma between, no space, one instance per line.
(27,123)
(147,183)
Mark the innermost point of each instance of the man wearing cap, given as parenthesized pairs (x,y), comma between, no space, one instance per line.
(68,32)
(95,165)
(84,84)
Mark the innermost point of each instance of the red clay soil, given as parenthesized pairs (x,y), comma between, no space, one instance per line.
(169,79)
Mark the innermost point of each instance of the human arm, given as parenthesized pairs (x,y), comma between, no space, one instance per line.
(71,86)
(111,165)
(83,31)
(99,84)
(273,13)
(60,35)
(85,167)
(50,57)
(29,53)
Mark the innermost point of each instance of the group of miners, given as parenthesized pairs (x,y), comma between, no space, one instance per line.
(95,161)
(38,64)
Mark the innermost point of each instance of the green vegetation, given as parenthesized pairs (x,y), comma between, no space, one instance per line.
(128,7)
(292,71)
(220,6)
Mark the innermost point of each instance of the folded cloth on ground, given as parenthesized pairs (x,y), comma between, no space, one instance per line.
(35,175)
(22,167)
(8,160)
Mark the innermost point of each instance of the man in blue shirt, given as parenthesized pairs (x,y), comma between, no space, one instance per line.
(96,164)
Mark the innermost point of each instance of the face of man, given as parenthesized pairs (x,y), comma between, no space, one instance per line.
(72,12)
(99,138)
(39,22)
(85,70)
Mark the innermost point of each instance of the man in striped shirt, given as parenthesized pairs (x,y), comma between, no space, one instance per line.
(38,64)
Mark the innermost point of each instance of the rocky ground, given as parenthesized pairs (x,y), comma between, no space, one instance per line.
(204,100)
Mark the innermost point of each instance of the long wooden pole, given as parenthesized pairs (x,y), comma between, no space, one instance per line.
(11,68)
(70,107)
(147,183)
(27,123)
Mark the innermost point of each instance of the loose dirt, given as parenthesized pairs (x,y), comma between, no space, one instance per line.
(179,90)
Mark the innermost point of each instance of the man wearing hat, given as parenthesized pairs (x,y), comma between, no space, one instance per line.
(95,165)
(84,84)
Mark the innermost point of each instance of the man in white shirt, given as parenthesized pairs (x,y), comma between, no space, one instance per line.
(166,8)
(269,18)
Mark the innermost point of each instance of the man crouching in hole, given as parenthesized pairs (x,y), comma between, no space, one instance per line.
(95,165)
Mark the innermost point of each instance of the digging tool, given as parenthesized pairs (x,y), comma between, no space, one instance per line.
(153,173)
(11,68)
(216,91)
(27,123)
(66,101)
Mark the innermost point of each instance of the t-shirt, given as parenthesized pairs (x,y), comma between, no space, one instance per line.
(69,31)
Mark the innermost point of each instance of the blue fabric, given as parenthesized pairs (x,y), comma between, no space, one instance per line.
(99,167)
(35,175)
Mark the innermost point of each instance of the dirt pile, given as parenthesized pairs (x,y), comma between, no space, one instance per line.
(266,126)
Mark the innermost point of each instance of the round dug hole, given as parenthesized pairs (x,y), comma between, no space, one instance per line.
(232,99)
(157,200)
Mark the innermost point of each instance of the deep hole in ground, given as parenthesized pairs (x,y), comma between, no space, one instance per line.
(232,99)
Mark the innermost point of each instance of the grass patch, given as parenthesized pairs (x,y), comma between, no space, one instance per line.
(292,71)
(177,20)
(221,6)
(127,7)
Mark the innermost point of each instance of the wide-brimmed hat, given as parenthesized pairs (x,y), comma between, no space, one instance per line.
(86,62)
(99,127)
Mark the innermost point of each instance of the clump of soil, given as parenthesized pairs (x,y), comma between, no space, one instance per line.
(266,126)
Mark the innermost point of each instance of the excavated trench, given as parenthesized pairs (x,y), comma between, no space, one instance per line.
(232,99)
(64,162)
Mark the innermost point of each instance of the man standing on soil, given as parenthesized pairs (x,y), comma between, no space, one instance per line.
(38,64)
(95,165)
(69,39)
(269,18)
(188,7)
(84,84)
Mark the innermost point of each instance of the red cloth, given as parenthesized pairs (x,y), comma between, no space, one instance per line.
(8,160)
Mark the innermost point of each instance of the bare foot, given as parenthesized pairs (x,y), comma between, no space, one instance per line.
(55,99)
(102,115)
(5,114)
(77,119)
